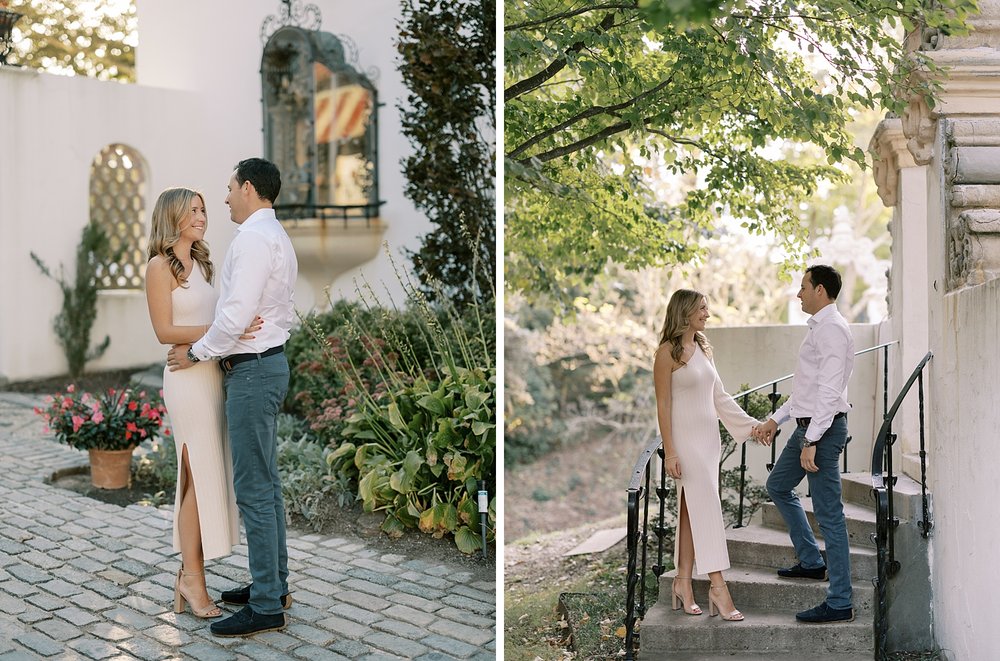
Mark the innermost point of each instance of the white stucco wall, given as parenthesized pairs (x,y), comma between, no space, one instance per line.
(757,354)
(963,468)
(194,113)
(51,128)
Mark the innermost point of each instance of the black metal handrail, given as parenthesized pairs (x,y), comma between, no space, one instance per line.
(886,522)
(637,535)
(638,492)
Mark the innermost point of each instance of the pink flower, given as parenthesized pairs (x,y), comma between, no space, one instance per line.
(98,417)
(131,427)
(66,403)
(71,388)
(77,423)
(132,406)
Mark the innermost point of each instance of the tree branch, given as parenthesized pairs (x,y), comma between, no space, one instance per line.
(607,132)
(570,14)
(528,84)
(590,112)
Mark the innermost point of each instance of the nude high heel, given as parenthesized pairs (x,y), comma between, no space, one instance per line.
(714,608)
(693,609)
(180,599)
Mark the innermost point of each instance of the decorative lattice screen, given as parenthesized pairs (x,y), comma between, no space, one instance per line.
(118,205)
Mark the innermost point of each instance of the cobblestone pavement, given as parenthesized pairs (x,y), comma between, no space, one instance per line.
(81,579)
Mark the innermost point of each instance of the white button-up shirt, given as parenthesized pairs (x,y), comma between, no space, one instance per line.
(826,360)
(258,278)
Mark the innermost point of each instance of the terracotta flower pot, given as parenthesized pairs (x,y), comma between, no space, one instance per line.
(110,469)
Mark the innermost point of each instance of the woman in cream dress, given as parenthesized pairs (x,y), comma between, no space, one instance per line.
(181,303)
(690,401)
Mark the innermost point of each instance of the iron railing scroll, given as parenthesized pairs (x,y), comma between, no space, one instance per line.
(886,522)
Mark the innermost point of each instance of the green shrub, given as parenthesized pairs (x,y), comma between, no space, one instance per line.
(532,422)
(419,417)
(309,486)
(79,308)
(157,471)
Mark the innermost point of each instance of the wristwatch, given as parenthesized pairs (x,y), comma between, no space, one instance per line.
(193,358)
(809,444)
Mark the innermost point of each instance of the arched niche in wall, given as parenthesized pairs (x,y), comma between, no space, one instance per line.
(320,127)
(118,184)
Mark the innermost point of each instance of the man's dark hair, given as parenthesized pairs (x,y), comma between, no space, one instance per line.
(263,175)
(821,274)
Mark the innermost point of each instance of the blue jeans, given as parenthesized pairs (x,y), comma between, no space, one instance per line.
(255,390)
(827,506)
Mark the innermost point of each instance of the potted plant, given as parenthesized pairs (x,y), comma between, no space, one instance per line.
(109,426)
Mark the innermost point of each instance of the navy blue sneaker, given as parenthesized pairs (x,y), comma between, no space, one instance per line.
(798,571)
(822,614)
(246,622)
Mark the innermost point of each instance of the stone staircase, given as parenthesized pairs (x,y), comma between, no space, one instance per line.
(769,603)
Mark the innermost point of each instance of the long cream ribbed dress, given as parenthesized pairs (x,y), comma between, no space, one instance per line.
(194,401)
(698,401)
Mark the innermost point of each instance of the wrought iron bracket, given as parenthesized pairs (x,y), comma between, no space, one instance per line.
(292,12)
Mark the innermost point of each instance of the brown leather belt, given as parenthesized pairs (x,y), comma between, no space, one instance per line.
(229,362)
(804,422)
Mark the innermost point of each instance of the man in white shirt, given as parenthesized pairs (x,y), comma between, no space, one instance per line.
(819,406)
(258,279)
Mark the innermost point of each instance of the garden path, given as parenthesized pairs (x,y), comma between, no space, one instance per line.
(81,579)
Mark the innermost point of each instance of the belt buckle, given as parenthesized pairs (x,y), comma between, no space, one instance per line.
(227,364)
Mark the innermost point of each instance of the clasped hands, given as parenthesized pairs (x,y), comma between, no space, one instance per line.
(764,432)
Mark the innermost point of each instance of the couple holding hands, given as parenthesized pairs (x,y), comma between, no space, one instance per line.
(690,401)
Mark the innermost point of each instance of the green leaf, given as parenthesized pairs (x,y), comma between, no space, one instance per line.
(432,403)
(395,419)
(467,541)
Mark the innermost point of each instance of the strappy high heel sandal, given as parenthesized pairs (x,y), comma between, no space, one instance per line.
(693,609)
(714,608)
(180,599)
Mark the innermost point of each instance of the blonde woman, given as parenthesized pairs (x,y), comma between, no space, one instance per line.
(181,303)
(690,401)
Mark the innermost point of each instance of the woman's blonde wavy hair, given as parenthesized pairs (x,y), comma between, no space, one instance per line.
(171,208)
(682,304)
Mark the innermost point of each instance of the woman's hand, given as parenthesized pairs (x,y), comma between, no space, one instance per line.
(673,466)
(255,325)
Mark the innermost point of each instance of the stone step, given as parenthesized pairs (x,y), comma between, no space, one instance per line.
(860,521)
(762,589)
(769,656)
(664,633)
(770,548)
(857,488)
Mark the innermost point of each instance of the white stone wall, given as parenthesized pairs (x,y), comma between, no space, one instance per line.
(194,113)
(964,465)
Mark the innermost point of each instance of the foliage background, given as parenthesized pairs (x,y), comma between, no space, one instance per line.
(60,36)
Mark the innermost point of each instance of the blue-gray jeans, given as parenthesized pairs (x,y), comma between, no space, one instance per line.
(824,487)
(255,390)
